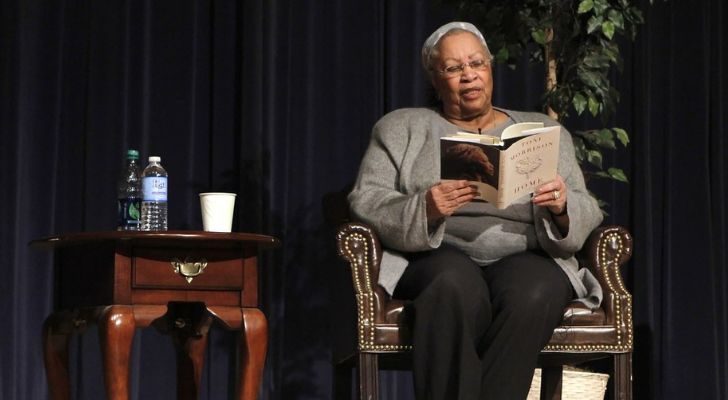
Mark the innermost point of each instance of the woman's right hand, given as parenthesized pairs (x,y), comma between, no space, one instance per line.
(447,196)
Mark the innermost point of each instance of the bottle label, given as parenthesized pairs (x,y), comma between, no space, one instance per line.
(130,213)
(154,188)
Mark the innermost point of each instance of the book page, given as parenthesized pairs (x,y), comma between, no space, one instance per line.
(475,138)
(520,129)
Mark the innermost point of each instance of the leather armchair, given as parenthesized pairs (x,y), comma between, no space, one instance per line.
(583,335)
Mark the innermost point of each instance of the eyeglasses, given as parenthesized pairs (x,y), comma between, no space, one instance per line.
(457,70)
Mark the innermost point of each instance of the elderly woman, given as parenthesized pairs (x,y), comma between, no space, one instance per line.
(487,286)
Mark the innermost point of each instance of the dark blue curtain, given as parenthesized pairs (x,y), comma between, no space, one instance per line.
(275,100)
(679,198)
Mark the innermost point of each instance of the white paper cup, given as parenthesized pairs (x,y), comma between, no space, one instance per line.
(217,211)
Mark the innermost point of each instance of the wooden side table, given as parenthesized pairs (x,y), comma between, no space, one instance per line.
(176,281)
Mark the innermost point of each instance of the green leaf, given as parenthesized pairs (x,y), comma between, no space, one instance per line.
(585,6)
(579,102)
(618,175)
(622,136)
(605,138)
(595,158)
(134,212)
(608,29)
(579,148)
(502,54)
(600,6)
(600,138)
(593,24)
(593,106)
(539,36)
(617,18)
(589,79)
(596,60)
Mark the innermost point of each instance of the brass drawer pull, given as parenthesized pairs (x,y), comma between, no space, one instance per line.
(189,269)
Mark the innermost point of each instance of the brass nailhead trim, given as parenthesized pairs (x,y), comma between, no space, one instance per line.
(365,297)
(621,321)
(386,347)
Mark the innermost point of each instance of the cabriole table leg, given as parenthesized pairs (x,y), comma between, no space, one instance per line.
(253,346)
(116,332)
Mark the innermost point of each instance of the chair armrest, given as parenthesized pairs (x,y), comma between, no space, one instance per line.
(359,246)
(379,317)
(604,253)
(606,250)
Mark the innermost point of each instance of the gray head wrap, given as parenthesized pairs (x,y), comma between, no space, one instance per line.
(431,41)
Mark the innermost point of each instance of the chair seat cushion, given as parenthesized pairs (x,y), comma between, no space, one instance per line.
(391,328)
(575,314)
(578,314)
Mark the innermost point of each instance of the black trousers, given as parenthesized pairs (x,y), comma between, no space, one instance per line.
(477,331)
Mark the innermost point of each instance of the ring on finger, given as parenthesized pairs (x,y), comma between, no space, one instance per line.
(556,194)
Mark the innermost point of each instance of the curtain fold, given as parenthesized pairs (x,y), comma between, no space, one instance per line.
(680,222)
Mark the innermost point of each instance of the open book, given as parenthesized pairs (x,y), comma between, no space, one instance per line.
(506,168)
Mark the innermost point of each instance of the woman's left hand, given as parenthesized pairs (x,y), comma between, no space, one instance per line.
(552,195)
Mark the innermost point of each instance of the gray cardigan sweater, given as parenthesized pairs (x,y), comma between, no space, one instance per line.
(402,162)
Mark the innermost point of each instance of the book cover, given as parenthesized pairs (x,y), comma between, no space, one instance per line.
(506,168)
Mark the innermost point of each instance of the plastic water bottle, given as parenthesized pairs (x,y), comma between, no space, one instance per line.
(129,194)
(154,198)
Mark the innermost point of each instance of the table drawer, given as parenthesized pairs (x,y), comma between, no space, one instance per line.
(187,269)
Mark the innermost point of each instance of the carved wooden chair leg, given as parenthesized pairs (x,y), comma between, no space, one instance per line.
(551,378)
(623,376)
(368,376)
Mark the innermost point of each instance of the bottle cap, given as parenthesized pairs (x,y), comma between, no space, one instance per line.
(132,154)
(155,159)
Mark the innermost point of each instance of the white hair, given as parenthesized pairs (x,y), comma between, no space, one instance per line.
(430,50)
